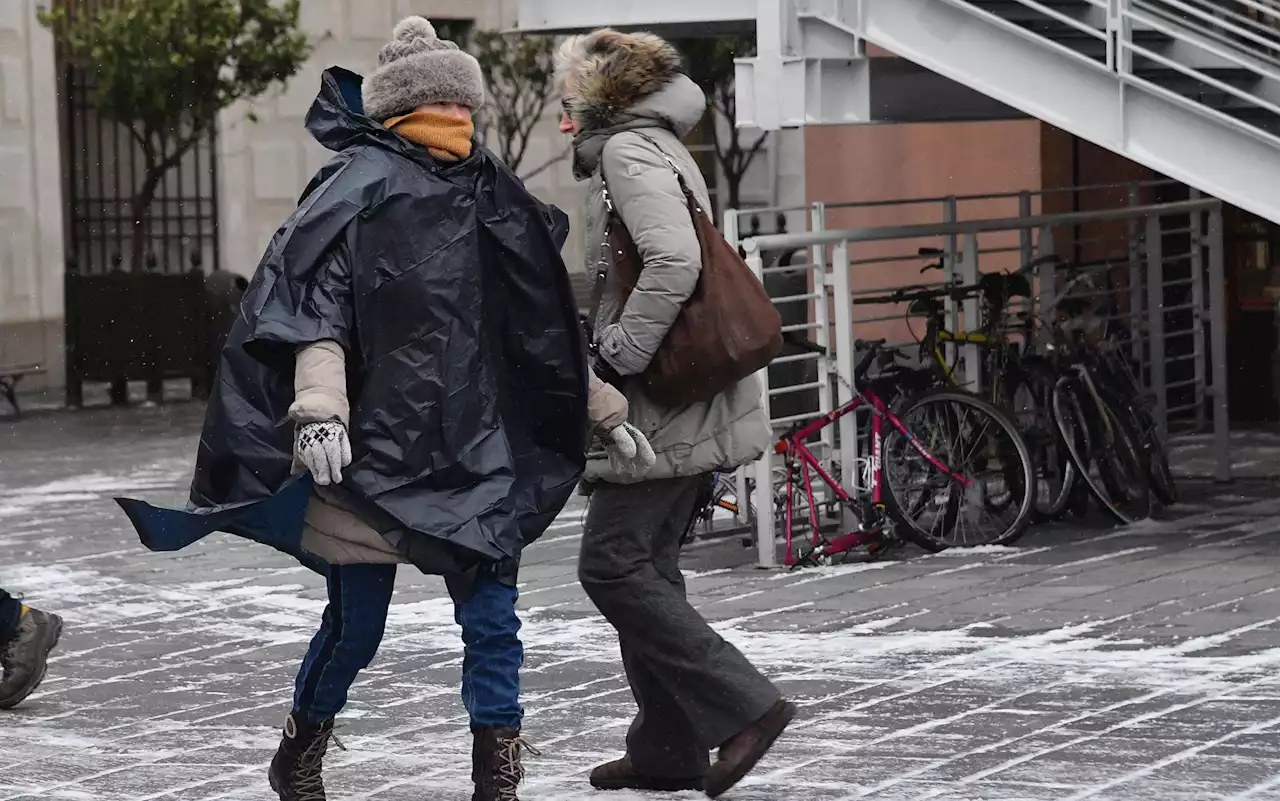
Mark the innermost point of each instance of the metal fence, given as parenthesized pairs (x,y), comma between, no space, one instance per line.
(105,169)
(1156,268)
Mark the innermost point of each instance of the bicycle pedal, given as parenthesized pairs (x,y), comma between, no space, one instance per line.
(877,550)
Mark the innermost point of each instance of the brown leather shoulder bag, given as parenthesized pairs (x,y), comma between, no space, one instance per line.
(726,330)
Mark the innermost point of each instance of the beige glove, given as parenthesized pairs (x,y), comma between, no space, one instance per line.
(320,408)
(607,410)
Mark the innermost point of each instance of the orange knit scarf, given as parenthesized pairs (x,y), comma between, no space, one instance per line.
(447,138)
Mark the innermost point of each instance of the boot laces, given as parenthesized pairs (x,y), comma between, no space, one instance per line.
(308,782)
(510,769)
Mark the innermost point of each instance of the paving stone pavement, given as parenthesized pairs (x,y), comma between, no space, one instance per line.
(1086,663)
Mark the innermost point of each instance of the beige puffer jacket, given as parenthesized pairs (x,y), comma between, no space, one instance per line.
(732,428)
(331,530)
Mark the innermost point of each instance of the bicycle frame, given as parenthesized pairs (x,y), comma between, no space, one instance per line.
(1083,374)
(794,447)
(943,337)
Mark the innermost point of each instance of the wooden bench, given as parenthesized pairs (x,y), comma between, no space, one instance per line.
(10,376)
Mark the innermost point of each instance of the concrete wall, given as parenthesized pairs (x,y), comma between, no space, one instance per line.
(265,165)
(31,245)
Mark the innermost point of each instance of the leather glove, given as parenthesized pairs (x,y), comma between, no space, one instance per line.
(601,367)
(324,449)
(607,410)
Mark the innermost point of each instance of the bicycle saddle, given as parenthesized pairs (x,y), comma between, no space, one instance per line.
(1000,287)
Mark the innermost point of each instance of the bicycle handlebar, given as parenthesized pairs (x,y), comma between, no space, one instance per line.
(794,339)
(902,295)
(873,348)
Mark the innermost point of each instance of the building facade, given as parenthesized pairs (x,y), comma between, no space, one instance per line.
(31,230)
(264,157)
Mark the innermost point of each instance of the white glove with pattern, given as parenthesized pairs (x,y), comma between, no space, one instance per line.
(607,409)
(324,449)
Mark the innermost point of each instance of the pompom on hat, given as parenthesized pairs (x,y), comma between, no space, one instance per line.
(416,68)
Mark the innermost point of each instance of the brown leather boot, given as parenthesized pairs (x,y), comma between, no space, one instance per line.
(620,774)
(496,763)
(741,752)
(295,770)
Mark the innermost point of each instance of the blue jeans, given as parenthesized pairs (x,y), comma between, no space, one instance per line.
(351,631)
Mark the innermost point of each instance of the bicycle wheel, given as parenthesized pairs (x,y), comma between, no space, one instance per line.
(1162,483)
(1105,452)
(1134,405)
(1124,468)
(974,440)
(1030,400)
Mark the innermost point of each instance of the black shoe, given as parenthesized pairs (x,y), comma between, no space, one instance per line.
(25,656)
(295,770)
(496,765)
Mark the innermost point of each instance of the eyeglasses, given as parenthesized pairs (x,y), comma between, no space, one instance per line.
(566,105)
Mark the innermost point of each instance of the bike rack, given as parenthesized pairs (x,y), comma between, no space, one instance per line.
(1172,293)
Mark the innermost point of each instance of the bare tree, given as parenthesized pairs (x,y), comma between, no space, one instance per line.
(165,68)
(519,77)
(710,63)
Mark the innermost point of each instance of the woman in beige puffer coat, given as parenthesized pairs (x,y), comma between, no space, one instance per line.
(627,105)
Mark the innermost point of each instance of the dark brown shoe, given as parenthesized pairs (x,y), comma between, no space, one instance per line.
(621,775)
(741,753)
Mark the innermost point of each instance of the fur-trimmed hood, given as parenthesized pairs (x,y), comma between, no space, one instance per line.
(676,107)
(616,72)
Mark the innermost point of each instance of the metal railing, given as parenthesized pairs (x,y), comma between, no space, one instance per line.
(1182,38)
(1158,268)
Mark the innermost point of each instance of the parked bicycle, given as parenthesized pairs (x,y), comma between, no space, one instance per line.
(1058,408)
(1015,379)
(947,469)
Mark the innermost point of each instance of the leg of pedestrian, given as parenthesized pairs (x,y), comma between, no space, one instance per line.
(26,637)
(663,752)
(492,658)
(348,639)
(629,552)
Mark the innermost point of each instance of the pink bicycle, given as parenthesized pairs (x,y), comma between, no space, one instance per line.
(949,469)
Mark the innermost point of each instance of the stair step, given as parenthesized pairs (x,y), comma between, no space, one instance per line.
(1095,48)
(1198,90)
(1257,117)
(1064,33)
(1192,86)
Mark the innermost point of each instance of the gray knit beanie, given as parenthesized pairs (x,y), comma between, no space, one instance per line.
(416,68)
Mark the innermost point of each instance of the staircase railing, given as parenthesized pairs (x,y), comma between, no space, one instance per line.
(1252,27)
(1214,37)
(1238,34)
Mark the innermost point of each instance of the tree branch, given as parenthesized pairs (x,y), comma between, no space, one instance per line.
(548,164)
(754,151)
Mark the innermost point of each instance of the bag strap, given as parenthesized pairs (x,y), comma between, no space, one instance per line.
(602,266)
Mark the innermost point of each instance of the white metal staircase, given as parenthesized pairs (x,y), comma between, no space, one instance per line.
(1189,88)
